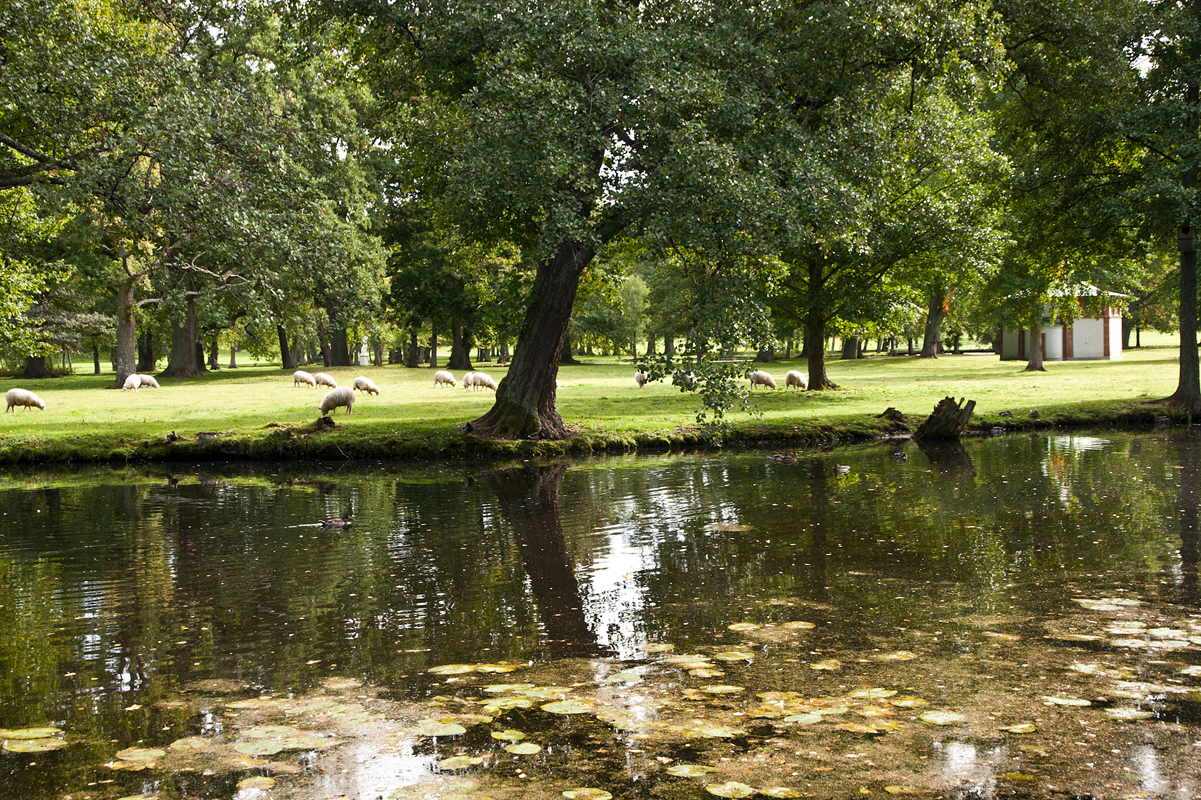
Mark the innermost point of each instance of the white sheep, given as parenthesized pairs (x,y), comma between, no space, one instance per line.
(325,380)
(343,396)
(797,379)
(476,380)
(23,397)
(148,382)
(132,384)
(300,376)
(640,378)
(761,378)
(442,376)
(366,385)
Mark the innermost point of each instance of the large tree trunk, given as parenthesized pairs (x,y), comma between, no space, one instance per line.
(184,340)
(125,351)
(287,356)
(411,351)
(36,367)
(852,347)
(566,357)
(214,354)
(1188,392)
(669,346)
(95,358)
(460,347)
(936,312)
(1035,346)
(339,348)
(525,399)
(433,346)
(815,333)
(146,358)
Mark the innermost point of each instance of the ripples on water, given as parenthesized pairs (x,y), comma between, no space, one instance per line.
(126,597)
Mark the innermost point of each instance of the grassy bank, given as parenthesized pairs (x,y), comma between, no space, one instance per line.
(259,414)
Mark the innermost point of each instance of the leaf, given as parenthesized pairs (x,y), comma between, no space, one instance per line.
(587,794)
(29,733)
(496,668)
(871,694)
(460,762)
(743,626)
(798,625)
(690,770)
(829,665)
(523,748)
(706,673)
(258,782)
(33,745)
(722,689)
(856,727)
(506,688)
(508,735)
(900,655)
(1066,701)
(141,754)
(570,706)
(1128,714)
(901,790)
(270,731)
(434,727)
(909,702)
(941,717)
(1024,727)
(780,791)
(261,747)
(190,743)
(735,655)
(730,789)
(451,669)
(804,719)
(627,678)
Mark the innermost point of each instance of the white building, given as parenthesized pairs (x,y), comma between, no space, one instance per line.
(1084,338)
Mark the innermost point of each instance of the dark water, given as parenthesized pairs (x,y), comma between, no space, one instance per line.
(135,607)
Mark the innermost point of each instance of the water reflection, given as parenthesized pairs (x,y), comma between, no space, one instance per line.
(123,594)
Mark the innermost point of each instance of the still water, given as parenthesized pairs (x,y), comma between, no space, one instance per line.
(1013,617)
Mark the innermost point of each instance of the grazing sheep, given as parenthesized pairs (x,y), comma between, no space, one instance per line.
(337,397)
(23,397)
(325,380)
(474,380)
(300,376)
(148,382)
(797,379)
(640,378)
(442,376)
(366,385)
(759,377)
(132,384)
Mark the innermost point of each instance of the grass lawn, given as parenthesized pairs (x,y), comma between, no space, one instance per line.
(260,414)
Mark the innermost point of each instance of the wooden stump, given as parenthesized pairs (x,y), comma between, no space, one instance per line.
(947,421)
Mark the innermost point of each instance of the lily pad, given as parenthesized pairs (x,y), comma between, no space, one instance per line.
(29,733)
(901,790)
(626,677)
(1128,714)
(1066,701)
(706,672)
(304,741)
(735,655)
(257,782)
(259,747)
(871,694)
(899,655)
(270,731)
(941,717)
(690,770)
(743,626)
(780,791)
(586,793)
(435,727)
(730,789)
(508,688)
(658,647)
(452,669)
(804,719)
(190,743)
(798,625)
(1023,727)
(858,727)
(33,745)
(508,703)
(909,702)
(523,748)
(570,706)
(828,665)
(141,754)
(508,735)
(460,762)
(722,689)
(496,668)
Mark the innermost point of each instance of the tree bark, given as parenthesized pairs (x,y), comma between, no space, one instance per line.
(815,327)
(1188,392)
(146,358)
(1035,346)
(669,346)
(936,312)
(339,348)
(411,351)
(184,340)
(852,347)
(95,358)
(214,354)
(947,420)
(286,356)
(125,351)
(460,347)
(525,399)
(567,357)
(433,346)
(233,358)
(36,367)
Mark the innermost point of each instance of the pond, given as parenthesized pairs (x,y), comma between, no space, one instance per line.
(1011,617)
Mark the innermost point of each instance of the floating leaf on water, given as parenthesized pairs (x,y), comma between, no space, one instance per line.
(1098,605)
(1128,714)
(626,677)
(341,684)
(941,717)
(689,770)
(621,720)
(1168,644)
(33,745)
(743,626)
(497,668)
(523,748)
(29,733)
(570,706)
(798,625)
(1066,701)
(546,692)
(699,729)
(587,794)
(138,797)
(899,655)
(722,689)
(469,719)
(909,702)
(507,703)
(1034,749)
(780,791)
(257,782)
(901,790)
(190,743)
(872,694)
(858,727)
(259,747)
(706,672)
(460,762)
(832,710)
(887,725)
(436,727)
(1075,637)
(508,735)
(730,789)
(804,719)
(141,754)
(1024,727)
(1118,627)
(730,527)
(1193,670)
(505,688)
(658,647)
(452,669)
(829,665)
(270,731)
(779,697)
(735,655)
(255,702)
(875,711)
(687,661)
(1018,776)
(1004,637)
(1130,643)
(308,742)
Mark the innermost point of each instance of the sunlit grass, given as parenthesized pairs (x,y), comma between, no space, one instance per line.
(258,411)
